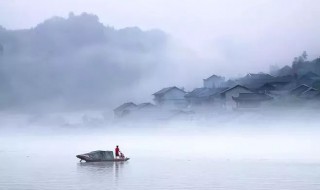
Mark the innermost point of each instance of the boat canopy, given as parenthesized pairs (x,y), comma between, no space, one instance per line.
(101,155)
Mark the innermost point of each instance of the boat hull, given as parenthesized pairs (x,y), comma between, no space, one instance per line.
(114,160)
(100,156)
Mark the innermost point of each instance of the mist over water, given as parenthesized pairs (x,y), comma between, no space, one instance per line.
(258,135)
(237,150)
(62,78)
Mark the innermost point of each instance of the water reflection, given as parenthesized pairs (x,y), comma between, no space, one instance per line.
(98,169)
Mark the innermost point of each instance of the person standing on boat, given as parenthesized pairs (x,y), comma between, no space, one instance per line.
(117,151)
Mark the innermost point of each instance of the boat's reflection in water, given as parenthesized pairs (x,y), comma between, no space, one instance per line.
(103,170)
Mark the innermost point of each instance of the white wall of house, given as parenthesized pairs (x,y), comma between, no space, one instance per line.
(213,82)
(174,94)
(174,98)
(229,102)
(125,111)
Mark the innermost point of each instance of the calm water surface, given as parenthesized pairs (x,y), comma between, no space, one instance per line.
(47,162)
(36,171)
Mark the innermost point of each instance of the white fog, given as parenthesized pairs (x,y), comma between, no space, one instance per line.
(116,94)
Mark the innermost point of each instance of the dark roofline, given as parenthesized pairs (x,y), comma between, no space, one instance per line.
(263,97)
(300,86)
(124,105)
(260,73)
(238,85)
(213,76)
(203,92)
(273,83)
(146,104)
(266,85)
(164,90)
(309,73)
(286,66)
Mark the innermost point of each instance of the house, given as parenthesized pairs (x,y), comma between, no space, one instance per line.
(299,90)
(203,96)
(131,110)
(213,81)
(144,111)
(226,95)
(267,87)
(311,94)
(309,78)
(145,106)
(276,88)
(171,97)
(254,81)
(285,78)
(259,76)
(251,100)
(305,92)
(284,71)
(229,83)
(124,109)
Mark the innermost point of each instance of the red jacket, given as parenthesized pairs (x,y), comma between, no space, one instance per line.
(117,151)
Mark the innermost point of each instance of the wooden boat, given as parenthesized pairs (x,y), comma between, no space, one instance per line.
(100,156)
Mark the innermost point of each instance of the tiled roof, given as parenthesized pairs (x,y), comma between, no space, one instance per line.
(299,90)
(233,88)
(204,92)
(145,105)
(125,106)
(213,76)
(310,93)
(253,97)
(165,90)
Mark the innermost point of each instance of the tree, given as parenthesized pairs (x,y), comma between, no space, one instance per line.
(304,55)
(302,58)
(299,62)
(1,49)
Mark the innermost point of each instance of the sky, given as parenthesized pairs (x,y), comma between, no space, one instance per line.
(241,35)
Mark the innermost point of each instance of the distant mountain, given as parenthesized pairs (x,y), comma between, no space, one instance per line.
(75,62)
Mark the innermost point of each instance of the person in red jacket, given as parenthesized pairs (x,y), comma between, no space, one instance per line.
(117,151)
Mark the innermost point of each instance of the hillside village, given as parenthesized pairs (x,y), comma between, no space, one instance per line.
(298,83)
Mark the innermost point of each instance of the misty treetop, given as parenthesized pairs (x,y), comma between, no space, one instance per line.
(75,61)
